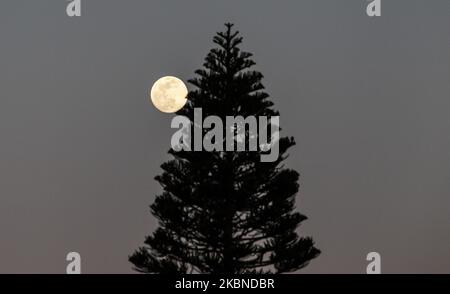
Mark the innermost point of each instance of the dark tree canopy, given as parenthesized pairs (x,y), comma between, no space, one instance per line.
(226,211)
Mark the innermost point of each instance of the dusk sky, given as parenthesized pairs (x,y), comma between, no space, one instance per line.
(367,100)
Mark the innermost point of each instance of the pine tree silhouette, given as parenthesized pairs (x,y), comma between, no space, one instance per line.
(226,212)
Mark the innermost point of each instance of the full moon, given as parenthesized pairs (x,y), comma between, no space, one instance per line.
(169,94)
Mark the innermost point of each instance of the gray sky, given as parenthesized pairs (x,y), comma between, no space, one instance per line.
(367,99)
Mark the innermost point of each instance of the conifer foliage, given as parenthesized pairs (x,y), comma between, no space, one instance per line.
(226,212)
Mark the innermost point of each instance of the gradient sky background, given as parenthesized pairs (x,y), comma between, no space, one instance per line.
(367,99)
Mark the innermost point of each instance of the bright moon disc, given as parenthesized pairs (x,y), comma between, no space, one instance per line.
(169,94)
